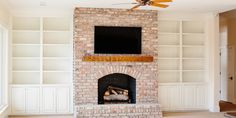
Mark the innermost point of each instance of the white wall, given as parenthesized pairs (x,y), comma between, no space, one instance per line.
(4,14)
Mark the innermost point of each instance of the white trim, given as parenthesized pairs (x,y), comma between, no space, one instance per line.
(3,108)
(4,69)
(214,61)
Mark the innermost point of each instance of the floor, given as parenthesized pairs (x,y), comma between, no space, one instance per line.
(227,106)
(202,114)
(43,117)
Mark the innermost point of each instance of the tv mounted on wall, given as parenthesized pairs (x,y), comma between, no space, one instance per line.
(117,40)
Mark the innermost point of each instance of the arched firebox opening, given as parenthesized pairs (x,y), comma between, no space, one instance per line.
(117,88)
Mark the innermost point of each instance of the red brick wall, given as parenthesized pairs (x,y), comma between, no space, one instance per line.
(86,74)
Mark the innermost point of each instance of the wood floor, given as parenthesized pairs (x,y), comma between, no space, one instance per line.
(224,107)
(41,117)
(202,114)
(227,106)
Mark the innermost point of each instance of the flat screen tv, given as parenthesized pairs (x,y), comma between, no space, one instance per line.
(117,40)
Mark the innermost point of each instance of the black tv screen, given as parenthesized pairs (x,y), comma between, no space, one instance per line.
(117,40)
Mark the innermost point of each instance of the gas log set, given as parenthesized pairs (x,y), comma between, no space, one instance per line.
(116,95)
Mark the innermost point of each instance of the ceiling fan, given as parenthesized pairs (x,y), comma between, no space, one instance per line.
(155,3)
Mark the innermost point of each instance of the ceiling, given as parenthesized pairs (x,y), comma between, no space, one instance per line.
(176,5)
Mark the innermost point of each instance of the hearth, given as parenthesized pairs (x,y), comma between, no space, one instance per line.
(116,88)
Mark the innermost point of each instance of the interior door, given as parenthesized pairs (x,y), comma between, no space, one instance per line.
(227,74)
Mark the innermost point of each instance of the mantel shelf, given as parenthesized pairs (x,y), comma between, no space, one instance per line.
(123,58)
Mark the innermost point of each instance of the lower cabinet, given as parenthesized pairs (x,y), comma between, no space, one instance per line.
(55,100)
(18,100)
(175,97)
(40,100)
(32,100)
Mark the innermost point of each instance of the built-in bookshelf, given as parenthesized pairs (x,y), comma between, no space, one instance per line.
(181,51)
(42,50)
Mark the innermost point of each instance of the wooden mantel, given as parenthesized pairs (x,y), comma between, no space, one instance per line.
(117,58)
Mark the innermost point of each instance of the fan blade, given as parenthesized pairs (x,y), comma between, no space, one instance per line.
(161,0)
(158,5)
(135,7)
(124,3)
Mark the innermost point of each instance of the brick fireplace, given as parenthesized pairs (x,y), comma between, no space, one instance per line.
(139,76)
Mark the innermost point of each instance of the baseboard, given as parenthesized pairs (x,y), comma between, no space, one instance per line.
(215,109)
(4,112)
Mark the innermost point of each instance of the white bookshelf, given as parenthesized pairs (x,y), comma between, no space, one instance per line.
(181,56)
(41,50)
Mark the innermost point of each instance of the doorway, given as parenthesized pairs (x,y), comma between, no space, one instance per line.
(227,74)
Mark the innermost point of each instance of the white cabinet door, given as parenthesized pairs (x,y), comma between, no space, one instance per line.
(18,100)
(48,100)
(189,97)
(169,97)
(40,100)
(56,100)
(183,97)
(63,99)
(32,100)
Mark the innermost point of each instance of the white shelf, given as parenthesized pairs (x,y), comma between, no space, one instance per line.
(57,51)
(26,77)
(193,70)
(181,56)
(167,52)
(58,58)
(23,71)
(200,58)
(57,71)
(56,38)
(168,39)
(26,64)
(26,58)
(169,58)
(174,46)
(193,64)
(169,26)
(193,39)
(193,76)
(193,52)
(26,51)
(58,24)
(26,37)
(57,44)
(57,77)
(193,27)
(21,44)
(168,77)
(42,51)
(168,70)
(59,65)
(23,23)
(169,64)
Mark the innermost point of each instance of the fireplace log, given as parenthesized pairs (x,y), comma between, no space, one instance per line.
(116,97)
(111,87)
(107,93)
(114,92)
